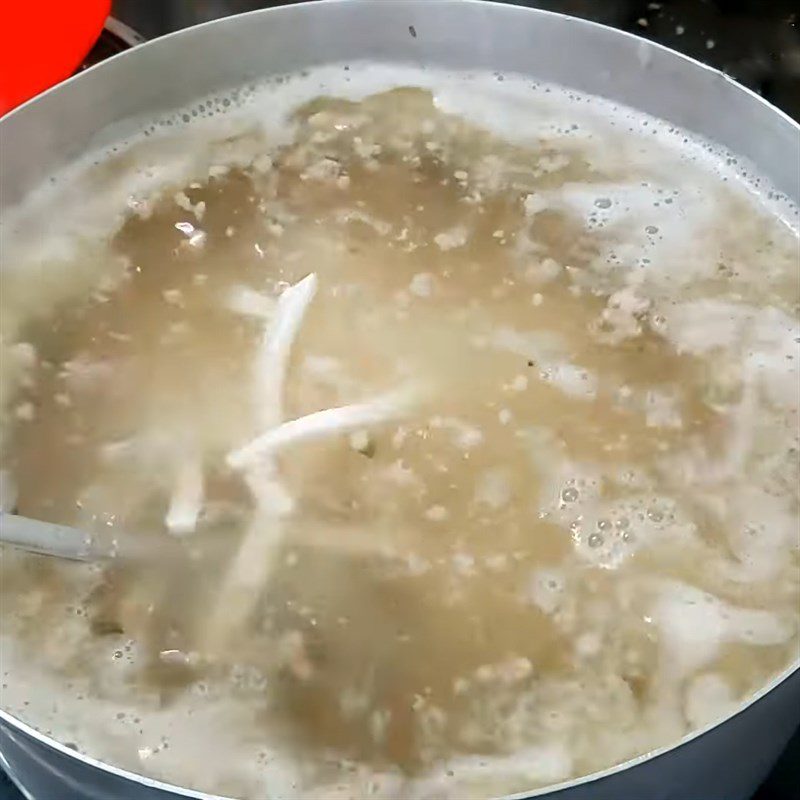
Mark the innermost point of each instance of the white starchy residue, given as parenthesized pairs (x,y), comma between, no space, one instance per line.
(325,369)
(186,502)
(465,436)
(515,670)
(263,164)
(218,170)
(662,410)
(113,451)
(553,163)
(693,625)
(621,318)
(142,208)
(24,354)
(145,753)
(175,330)
(588,644)
(324,170)
(701,326)
(506,672)
(709,697)
(399,437)
(546,589)
(380,226)
(365,150)
(421,284)
(294,654)
(182,201)
(360,441)
(173,296)
(493,488)
(436,513)
(451,238)
(740,430)
(84,374)
(484,775)
(463,564)
(550,268)
(498,562)
(534,204)
(379,723)
(519,383)
(572,380)
(25,411)
(400,474)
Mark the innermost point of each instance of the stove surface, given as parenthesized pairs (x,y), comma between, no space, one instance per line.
(757,42)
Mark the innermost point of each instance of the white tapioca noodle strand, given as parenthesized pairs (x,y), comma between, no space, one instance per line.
(250,567)
(321,425)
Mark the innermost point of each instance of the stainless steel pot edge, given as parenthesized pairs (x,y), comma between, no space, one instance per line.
(416,5)
(26,729)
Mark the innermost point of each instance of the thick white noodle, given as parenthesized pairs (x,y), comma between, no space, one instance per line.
(250,568)
(322,425)
(250,303)
(186,502)
(272,359)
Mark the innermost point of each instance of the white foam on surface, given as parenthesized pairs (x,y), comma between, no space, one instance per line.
(506,106)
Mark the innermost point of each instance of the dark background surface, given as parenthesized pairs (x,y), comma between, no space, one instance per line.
(757,42)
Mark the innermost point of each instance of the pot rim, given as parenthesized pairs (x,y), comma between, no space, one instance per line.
(508,8)
(48,741)
(181,791)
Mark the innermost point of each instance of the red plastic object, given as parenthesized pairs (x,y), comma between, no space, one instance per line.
(44,42)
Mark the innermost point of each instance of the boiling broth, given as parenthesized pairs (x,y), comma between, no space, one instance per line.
(558,527)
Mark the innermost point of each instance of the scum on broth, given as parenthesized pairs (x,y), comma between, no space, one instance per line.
(585,512)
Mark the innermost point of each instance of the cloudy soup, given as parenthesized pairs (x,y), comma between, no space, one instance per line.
(445,427)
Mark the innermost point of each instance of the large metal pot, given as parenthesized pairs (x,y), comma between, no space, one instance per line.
(725,761)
